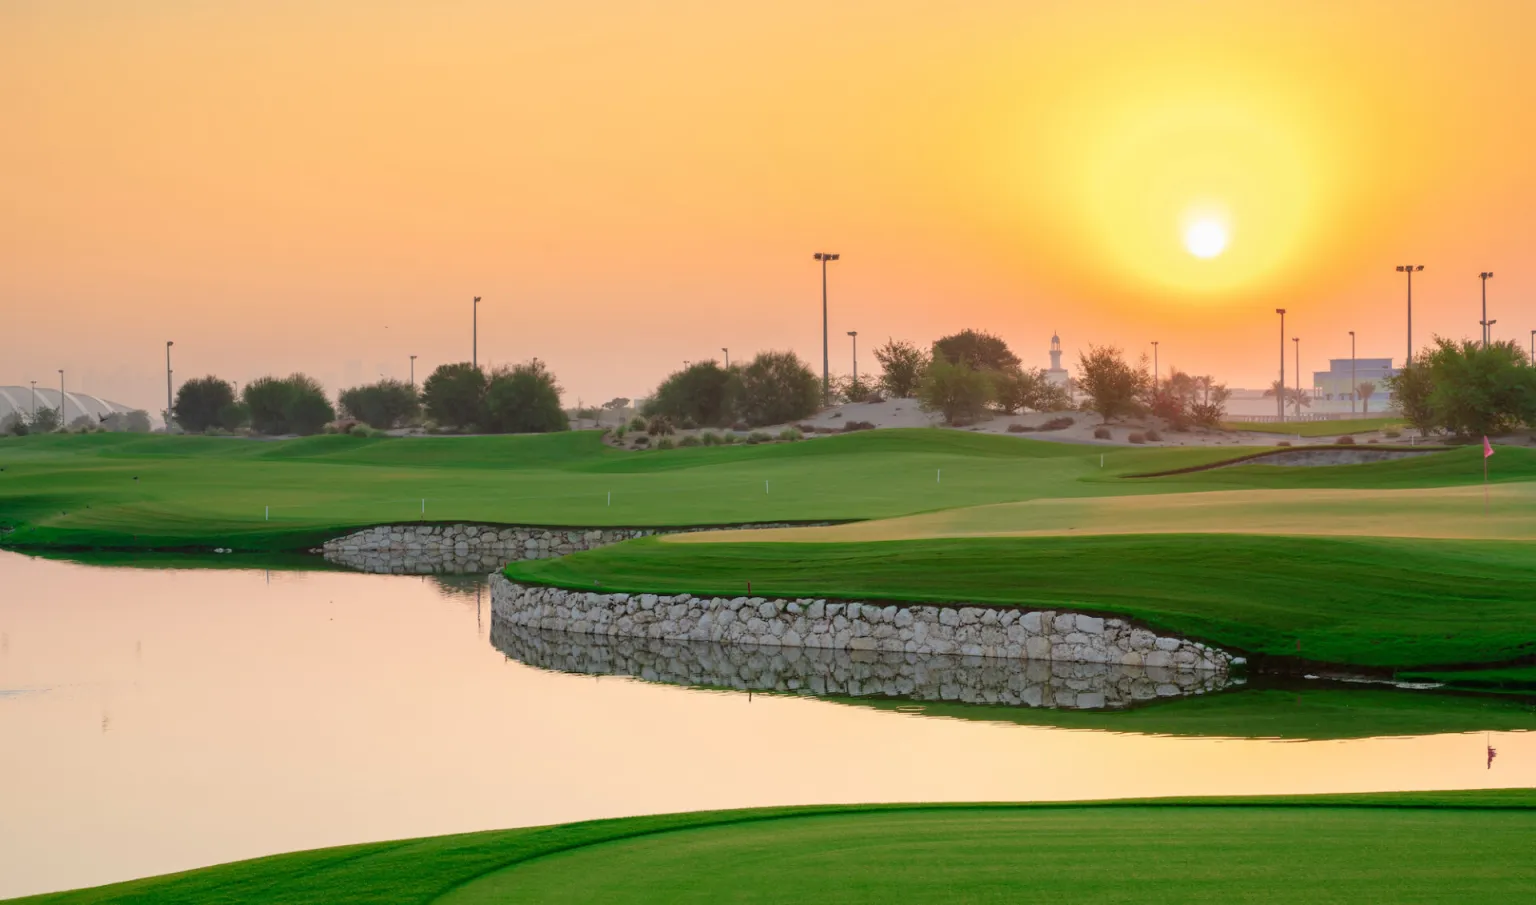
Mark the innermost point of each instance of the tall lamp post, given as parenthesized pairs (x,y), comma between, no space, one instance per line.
(1353,392)
(1488,331)
(1533,346)
(413,372)
(61,398)
(727,357)
(474,342)
(855,335)
(826,372)
(1155,371)
(34,384)
(1297,341)
(1485,276)
(168,404)
(1410,269)
(1280,387)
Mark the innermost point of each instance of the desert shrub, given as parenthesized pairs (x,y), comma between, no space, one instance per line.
(687,424)
(710,438)
(790,434)
(1373,440)
(728,440)
(957,391)
(858,426)
(1154,437)
(1114,388)
(775,387)
(641,440)
(665,443)
(1283,443)
(454,393)
(852,390)
(44,420)
(1102,433)
(620,431)
(384,405)
(1346,440)
(15,425)
(659,426)
(759,437)
(295,404)
(698,394)
(1137,437)
(690,440)
(1056,424)
(1391,434)
(1020,429)
(977,350)
(134,422)
(637,423)
(199,401)
(524,400)
(363,430)
(902,365)
(1025,388)
(740,426)
(806,428)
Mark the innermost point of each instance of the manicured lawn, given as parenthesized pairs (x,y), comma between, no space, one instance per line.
(1361,601)
(1427,847)
(1319,428)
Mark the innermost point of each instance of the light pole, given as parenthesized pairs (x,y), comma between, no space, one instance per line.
(61,399)
(1352,382)
(826,372)
(1410,269)
(1488,331)
(474,342)
(1485,276)
(1280,387)
(727,357)
(413,372)
(168,404)
(855,335)
(1297,341)
(34,384)
(1154,367)
(1533,346)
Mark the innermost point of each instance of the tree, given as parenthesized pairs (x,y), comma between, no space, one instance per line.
(524,400)
(43,421)
(454,394)
(977,350)
(199,401)
(15,424)
(1365,389)
(776,387)
(383,405)
(134,422)
(1411,389)
(1026,388)
(699,393)
(1480,390)
(1184,400)
(850,390)
(1209,405)
(902,365)
(295,404)
(1114,388)
(961,393)
(1292,396)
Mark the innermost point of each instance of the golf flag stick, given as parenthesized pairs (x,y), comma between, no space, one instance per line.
(1487,451)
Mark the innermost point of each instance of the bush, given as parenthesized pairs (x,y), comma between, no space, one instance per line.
(1154,437)
(1283,443)
(642,440)
(710,438)
(851,390)
(1020,429)
(759,437)
(791,434)
(728,440)
(1478,390)
(637,423)
(454,394)
(976,350)
(741,426)
(775,387)
(1346,440)
(1026,388)
(1056,424)
(199,402)
(902,365)
(295,404)
(134,422)
(698,394)
(957,391)
(1391,434)
(666,443)
(383,405)
(620,431)
(1114,388)
(1411,389)
(1102,433)
(14,424)
(690,440)
(524,400)
(1137,437)
(659,426)
(858,426)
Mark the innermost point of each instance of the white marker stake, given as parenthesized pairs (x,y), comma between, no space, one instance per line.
(423,506)
(938,476)
(610,497)
(1101,460)
(269,513)
(765,487)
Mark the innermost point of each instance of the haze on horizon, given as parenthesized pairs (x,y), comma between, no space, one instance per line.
(281,185)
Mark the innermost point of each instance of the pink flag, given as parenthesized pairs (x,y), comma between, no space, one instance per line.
(1487,448)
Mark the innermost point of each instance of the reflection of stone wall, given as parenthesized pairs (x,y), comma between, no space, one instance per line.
(425,549)
(819,671)
(1006,632)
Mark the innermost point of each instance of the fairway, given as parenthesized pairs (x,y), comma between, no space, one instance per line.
(1405,847)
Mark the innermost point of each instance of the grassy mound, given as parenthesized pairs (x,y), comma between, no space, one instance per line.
(1362,601)
(1445,846)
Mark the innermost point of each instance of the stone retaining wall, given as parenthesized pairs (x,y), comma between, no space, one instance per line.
(836,673)
(427,549)
(918,629)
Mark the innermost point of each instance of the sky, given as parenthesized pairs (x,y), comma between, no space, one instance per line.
(278,185)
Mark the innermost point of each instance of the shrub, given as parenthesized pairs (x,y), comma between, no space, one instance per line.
(659,426)
(199,402)
(710,438)
(134,422)
(1102,433)
(698,394)
(1391,434)
(728,440)
(858,426)
(743,426)
(454,393)
(1056,424)
(524,400)
(1479,390)
(851,390)
(1411,389)
(618,432)
(1137,437)
(1020,429)
(690,440)
(775,387)
(642,440)
(790,434)
(1154,437)
(759,437)
(295,404)
(902,365)
(14,424)
(976,350)
(1026,388)
(665,443)
(1114,388)
(384,405)
(1283,443)
(1346,440)
(637,423)
(957,391)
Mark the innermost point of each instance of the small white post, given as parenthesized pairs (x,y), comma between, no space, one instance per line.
(269,514)
(423,506)
(765,487)
(1101,460)
(610,497)
(938,476)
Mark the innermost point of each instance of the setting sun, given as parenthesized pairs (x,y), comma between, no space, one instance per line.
(1205,238)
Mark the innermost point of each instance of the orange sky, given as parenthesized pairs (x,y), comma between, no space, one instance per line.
(283,185)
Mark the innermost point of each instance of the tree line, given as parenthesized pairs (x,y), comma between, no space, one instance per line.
(1466,388)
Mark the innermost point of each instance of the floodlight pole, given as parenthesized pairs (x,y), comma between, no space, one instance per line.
(413,372)
(168,404)
(826,369)
(1353,384)
(1280,387)
(34,385)
(1485,276)
(855,335)
(1409,269)
(727,357)
(61,399)
(474,346)
(1155,370)
(1297,341)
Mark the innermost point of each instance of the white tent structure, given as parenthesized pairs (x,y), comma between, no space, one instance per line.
(20,399)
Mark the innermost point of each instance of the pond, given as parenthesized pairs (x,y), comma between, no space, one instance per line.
(156,719)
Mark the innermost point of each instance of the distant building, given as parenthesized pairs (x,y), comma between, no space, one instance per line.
(1056,373)
(1335,383)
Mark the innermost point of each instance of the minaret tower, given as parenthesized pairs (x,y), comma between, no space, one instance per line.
(1055,352)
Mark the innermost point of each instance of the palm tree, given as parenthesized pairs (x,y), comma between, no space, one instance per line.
(1292,396)
(1365,389)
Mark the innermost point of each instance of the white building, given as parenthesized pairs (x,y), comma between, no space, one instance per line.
(1056,373)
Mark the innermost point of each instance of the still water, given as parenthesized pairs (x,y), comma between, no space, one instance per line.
(153,720)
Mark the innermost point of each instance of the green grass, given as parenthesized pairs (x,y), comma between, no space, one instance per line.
(1514,679)
(1406,847)
(1318,428)
(1362,601)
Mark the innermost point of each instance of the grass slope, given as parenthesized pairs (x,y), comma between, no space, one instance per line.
(1361,601)
(1426,847)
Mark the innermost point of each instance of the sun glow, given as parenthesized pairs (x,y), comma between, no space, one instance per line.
(1205,238)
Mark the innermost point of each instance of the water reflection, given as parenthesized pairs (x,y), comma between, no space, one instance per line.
(836,673)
